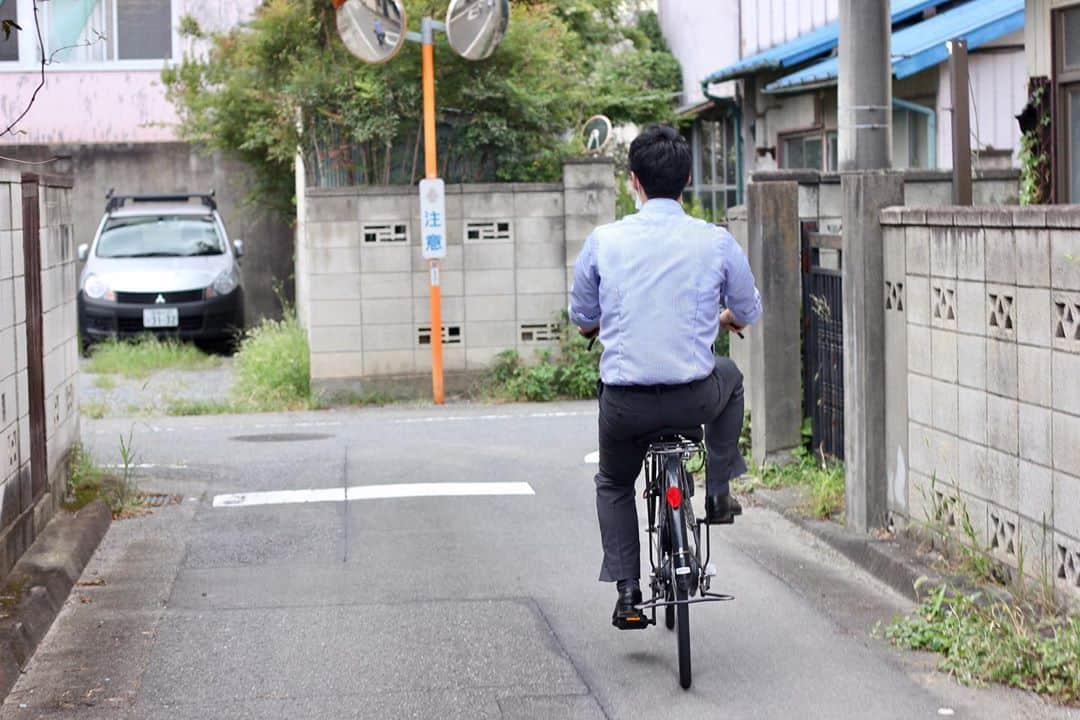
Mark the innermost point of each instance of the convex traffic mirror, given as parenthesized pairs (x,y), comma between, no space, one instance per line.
(475,27)
(372,30)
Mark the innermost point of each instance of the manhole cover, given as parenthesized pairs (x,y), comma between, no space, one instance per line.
(281,437)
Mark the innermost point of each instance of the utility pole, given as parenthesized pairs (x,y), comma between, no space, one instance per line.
(865,86)
(865,150)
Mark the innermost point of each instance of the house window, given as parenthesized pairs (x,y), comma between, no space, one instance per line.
(716,166)
(1067,120)
(911,139)
(9,46)
(802,150)
(87,31)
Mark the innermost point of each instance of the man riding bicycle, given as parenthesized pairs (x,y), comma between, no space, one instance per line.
(652,286)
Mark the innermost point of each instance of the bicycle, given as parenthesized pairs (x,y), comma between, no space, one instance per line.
(679,578)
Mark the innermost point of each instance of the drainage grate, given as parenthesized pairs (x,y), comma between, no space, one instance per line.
(281,437)
(156,500)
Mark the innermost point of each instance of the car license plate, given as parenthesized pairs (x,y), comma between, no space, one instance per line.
(160,317)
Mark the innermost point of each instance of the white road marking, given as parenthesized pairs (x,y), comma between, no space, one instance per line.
(373,492)
(145,466)
(593,458)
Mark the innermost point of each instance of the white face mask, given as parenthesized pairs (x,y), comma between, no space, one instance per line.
(637,200)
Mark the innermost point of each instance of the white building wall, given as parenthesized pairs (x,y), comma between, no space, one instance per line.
(765,23)
(703,42)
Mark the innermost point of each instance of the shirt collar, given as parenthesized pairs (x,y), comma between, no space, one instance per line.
(662,206)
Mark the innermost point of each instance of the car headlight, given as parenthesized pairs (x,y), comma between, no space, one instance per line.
(224,283)
(96,289)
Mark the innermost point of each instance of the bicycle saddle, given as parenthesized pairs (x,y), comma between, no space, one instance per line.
(671,435)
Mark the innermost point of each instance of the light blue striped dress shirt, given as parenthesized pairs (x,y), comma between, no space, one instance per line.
(655,282)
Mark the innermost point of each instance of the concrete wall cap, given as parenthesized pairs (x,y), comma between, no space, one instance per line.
(588,160)
(1034,216)
(803,177)
(736,213)
(996,216)
(966,215)
(892,215)
(1063,216)
(939,216)
(914,215)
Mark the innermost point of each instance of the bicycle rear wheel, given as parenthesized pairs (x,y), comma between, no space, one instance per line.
(682,630)
(669,611)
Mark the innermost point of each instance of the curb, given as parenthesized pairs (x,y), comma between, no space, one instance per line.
(886,560)
(39,584)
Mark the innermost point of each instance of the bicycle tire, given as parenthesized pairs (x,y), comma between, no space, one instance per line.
(682,630)
(669,611)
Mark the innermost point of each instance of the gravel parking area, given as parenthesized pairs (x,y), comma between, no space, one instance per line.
(116,396)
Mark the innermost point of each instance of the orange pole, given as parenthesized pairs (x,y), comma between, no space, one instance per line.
(431,171)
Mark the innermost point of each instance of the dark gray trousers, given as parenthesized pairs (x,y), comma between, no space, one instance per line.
(630,413)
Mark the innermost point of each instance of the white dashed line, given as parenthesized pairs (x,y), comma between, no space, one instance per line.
(373,492)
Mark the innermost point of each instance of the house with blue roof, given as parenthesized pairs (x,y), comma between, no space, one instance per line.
(760,82)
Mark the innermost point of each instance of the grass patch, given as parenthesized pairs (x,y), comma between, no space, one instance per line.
(88,482)
(105,382)
(272,367)
(183,407)
(993,642)
(570,373)
(142,356)
(93,409)
(84,479)
(823,479)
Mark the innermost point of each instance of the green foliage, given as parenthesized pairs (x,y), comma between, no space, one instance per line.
(823,479)
(284,80)
(990,641)
(84,478)
(93,409)
(273,367)
(121,492)
(572,372)
(1034,163)
(138,358)
(185,407)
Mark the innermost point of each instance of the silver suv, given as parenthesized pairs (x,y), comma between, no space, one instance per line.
(161,264)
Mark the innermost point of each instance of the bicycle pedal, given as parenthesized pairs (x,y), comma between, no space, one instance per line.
(633,622)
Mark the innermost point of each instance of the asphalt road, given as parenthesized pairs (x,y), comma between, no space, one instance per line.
(459,607)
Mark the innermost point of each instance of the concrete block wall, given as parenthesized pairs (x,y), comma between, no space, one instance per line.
(990,352)
(363,285)
(22,516)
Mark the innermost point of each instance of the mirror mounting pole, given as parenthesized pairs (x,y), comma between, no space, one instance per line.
(431,171)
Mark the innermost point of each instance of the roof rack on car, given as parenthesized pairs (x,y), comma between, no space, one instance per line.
(118,201)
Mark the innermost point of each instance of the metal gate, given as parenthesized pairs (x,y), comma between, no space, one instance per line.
(823,339)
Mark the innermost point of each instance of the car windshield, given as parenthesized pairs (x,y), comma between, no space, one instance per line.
(160,236)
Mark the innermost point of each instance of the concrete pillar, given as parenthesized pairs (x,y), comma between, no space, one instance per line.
(588,201)
(864,93)
(775,391)
(864,196)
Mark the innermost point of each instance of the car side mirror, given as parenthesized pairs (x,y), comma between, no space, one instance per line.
(84,252)
(238,246)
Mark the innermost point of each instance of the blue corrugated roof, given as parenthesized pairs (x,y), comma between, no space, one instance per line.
(809,45)
(920,46)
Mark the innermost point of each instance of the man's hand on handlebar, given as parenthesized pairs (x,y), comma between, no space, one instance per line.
(589,333)
(727,322)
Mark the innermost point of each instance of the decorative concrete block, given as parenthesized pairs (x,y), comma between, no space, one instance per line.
(972,462)
(1001,311)
(337,286)
(335,339)
(944,406)
(918,349)
(541,230)
(920,399)
(1065,395)
(1002,376)
(971,414)
(502,335)
(1067,443)
(1003,474)
(1001,424)
(333,260)
(1034,316)
(970,254)
(386,258)
(541,280)
(1032,258)
(918,299)
(489,256)
(1065,259)
(1067,504)
(918,250)
(386,311)
(1034,375)
(327,366)
(373,285)
(540,255)
(970,307)
(1065,321)
(390,337)
(1000,256)
(943,303)
(487,309)
(1035,429)
(389,362)
(943,252)
(489,282)
(943,355)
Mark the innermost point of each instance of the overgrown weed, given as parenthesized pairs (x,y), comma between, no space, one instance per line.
(139,357)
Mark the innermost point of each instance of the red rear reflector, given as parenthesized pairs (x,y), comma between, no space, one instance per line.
(674,497)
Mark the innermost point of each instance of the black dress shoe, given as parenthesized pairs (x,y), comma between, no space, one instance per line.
(721,509)
(626,616)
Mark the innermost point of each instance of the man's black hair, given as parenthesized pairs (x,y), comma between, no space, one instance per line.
(660,157)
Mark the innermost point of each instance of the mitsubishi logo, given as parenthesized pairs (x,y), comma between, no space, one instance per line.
(160,300)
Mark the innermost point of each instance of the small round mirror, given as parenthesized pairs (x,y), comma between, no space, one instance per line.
(372,30)
(475,27)
(597,134)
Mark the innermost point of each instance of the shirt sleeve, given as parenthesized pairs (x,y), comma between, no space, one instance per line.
(741,295)
(585,292)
